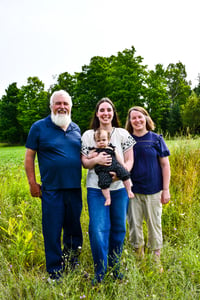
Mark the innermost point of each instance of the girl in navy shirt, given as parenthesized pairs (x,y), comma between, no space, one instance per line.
(150,176)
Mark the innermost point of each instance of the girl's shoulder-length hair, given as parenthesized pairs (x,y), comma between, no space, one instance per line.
(149,122)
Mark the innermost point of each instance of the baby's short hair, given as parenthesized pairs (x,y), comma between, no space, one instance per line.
(98,133)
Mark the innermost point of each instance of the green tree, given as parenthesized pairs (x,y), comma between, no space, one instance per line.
(127,81)
(191,113)
(10,129)
(65,82)
(33,103)
(91,86)
(121,78)
(197,88)
(157,100)
(178,92)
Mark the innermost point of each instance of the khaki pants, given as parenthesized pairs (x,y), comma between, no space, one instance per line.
(150,208)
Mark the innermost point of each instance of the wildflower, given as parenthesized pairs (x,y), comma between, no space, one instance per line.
(175,229)
(82,297)
(125,251)
(10,267)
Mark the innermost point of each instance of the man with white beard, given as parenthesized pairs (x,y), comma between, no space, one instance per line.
(57,142)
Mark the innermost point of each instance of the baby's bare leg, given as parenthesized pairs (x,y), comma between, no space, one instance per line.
(128,185)
(106,193)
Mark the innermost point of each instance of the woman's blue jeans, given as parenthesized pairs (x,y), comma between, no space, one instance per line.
(107,229)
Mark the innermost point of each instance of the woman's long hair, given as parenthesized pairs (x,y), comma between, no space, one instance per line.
(95,124)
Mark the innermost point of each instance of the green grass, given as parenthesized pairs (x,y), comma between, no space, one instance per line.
(23,274)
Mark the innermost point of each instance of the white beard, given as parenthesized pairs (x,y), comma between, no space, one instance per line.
(61,120)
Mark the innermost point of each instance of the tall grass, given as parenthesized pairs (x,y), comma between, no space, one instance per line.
(23,274)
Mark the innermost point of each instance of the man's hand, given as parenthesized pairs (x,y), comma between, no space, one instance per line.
(35,190)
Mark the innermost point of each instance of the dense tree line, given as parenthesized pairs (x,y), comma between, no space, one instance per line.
(165,93)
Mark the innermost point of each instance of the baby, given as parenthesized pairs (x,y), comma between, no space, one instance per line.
(102,139)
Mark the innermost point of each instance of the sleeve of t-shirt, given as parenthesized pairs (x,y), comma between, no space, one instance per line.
(86,142)
(162,147)
(127,140)
(33,137)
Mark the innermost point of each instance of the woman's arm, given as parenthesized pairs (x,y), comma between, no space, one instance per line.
(101,159)
(165,166)
(119,159)
(129,159)
(92,153)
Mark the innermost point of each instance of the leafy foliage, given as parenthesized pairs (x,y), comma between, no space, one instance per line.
(127,80)
(191,113)
(33,103)
(10,129)
(123,78)
(178,92)
(157,100)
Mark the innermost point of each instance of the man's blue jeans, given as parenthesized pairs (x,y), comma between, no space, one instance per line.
(107,229)
(61,209)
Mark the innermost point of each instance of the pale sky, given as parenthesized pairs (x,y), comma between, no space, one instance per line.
(44,38)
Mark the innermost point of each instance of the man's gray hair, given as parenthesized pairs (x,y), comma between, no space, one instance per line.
(60,93)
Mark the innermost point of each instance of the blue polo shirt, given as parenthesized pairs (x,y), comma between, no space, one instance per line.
(58,154)
(146,174)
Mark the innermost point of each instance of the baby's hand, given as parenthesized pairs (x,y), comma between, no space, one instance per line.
(114,176)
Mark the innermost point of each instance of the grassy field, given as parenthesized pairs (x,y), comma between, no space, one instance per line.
(23,274)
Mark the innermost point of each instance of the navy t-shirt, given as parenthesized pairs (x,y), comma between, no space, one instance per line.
(146,174)
(58,154)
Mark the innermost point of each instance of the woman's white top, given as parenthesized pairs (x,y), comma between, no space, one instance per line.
(121,139)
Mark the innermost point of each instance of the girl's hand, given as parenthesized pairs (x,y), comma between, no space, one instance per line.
(165,196)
